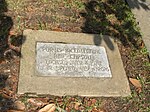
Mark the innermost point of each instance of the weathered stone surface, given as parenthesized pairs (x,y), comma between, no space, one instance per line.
(71,60)
(31,82)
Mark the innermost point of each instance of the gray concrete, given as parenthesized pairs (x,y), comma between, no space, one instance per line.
(30,82)
(141,10)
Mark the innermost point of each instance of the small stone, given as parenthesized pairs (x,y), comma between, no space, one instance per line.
(18,105)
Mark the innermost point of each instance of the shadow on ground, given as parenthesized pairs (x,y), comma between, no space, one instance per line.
(112,18)
(138,4)
(9,47)
(9,43)
(5,100)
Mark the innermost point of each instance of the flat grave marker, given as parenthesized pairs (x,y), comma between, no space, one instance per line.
(61,63)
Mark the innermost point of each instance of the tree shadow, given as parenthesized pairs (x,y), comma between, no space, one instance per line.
(5,103)
(9,47)
(112,18)
(3,78)
(139,4)
(8,43)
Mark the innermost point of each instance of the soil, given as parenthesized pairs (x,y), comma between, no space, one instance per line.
(100,17)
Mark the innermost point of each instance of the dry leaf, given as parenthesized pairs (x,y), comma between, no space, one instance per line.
(57,29)
(48,108)
(135,82)
(30,9)
(142,44)
(52,109)
(14,111)
(2,61)
(97,110)
(62,110)
(93,101)
(35,102)
(7,93)
(139,90)
(12,33)
(18,105)
(76,106)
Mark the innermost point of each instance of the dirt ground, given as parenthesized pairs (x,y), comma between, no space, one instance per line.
(105,17)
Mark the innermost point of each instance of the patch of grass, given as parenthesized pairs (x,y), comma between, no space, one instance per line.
(78,4)
(135,53)
(24,99)
(20,25)
(16,5)
(41,25)
(144,51)
(139,100)
(147,64)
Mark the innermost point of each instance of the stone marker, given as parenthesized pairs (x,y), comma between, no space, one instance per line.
(71,60)
(61,63)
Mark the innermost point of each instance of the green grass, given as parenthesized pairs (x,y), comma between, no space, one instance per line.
(78,4)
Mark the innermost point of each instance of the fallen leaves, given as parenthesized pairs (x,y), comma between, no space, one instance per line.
(137,84)
(18,105)
(14,111)
(35,102)
(12,32)
(76,106)
(57,29)
(48,108)
(6,93)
